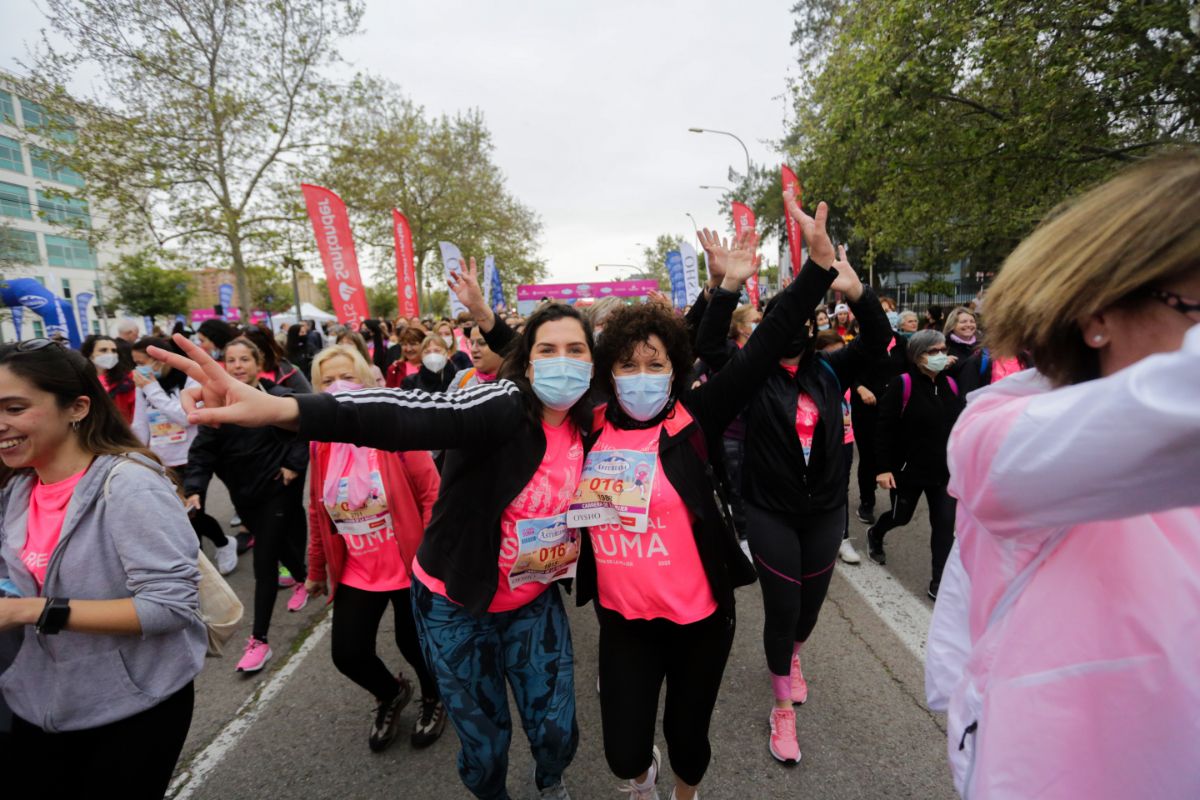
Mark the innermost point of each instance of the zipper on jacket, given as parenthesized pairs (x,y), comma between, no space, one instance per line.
(962,743)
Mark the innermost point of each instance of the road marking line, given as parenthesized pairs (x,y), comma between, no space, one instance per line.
(900,609)
(188,782)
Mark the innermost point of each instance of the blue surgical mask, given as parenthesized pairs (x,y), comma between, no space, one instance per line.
(893,318)
(643,395)
(936,362)
(147,371)
(560,382)
(824,327)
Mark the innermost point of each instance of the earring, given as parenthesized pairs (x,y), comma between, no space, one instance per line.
(1098,338)
(75,425)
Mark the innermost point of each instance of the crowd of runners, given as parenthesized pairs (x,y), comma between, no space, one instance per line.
(650,461)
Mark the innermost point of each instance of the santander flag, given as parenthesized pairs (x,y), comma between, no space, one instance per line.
(794,237)
(331,226)
(743,220)
(408,304)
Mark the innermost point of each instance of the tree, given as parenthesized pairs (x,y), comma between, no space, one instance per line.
(382,301)
(270,291)
(949,130)
(439,173)
(212,103)
(144,288)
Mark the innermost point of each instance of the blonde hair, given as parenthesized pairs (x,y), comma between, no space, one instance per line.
(1095,251)
(451,348)
(741,316)
(952,319)
(362,370)
(436,338)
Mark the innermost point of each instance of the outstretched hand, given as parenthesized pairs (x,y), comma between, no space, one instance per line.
(221,399)
(465,285)
(714,249)
(820,246)
(847,279)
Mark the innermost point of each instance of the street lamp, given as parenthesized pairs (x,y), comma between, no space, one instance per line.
(616,266)
(718,188)
(727,133)
(695,227)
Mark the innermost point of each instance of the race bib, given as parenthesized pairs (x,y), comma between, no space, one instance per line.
(163,431)
(614,490)
(371,518)
(549,551)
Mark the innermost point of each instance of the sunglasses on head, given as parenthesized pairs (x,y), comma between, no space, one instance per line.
(33,345)
(1176,301)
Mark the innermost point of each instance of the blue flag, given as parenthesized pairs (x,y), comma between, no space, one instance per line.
(225,298)
(492,285)
(81,303)
(678,282)
(18,313)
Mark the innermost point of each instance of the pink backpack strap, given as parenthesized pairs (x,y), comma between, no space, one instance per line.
(905,390)
(953,385)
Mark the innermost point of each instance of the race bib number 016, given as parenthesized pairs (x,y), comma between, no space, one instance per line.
(614,490)
(549,551)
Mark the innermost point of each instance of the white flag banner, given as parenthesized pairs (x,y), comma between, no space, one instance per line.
(452,262)
(691,271)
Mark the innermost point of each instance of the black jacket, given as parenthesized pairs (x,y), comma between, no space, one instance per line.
(774,473)
(426,380)
(247,460)
(911,442)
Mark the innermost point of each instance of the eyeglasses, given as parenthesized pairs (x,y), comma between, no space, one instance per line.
(937,350)
(1176,301)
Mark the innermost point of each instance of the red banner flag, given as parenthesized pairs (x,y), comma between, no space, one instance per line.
(794,236)
(331,226)
(408,303)
(743,220)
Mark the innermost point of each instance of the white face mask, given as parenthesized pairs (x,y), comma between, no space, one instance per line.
(105,361)
(433,361)
(449,340)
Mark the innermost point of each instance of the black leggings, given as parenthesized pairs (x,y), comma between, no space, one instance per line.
(636,656)
(280,536)
(131,758)
(941,519)
(356,616)
(864,419)
(795,558)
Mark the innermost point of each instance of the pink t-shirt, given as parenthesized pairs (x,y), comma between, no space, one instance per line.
(807,415)
(656,574)
(47,510)
(546,496)
(848,432)
(373,560)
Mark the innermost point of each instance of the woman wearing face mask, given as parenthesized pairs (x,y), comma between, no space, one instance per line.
(436,370)
(795,487)
(113,373)
(1070,596)
(844,323)
(665,604)
(458,359)
(265,477)
(487,610)
(375,336)
(213,335)
(915,417)
(89,515)
(822,319)
(409,363)
(367,510)
(161,423)
(907,324)
(297,350)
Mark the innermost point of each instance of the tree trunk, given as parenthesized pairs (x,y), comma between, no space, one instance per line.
(239,275)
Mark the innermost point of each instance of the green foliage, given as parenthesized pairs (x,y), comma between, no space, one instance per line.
(950,129)
(270,289)
(438,171)
(323,300)
(214,103)
(382,301)
(144,288)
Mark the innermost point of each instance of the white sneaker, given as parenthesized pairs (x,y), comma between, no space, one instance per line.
(227,556)
(235,521)
(847,552)
(650,793)
(556,792)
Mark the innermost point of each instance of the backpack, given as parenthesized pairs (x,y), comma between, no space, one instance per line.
(906,389)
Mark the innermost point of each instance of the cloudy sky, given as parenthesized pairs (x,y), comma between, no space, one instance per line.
(589,102)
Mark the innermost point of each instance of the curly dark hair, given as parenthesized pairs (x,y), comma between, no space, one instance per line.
(517,358)
(626,328)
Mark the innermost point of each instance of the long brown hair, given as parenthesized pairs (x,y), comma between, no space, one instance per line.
(67,375)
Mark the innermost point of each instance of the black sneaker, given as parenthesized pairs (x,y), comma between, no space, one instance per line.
(875,546)
(866,514)
(431,721)
(387,717)
(932,590)
(245,541)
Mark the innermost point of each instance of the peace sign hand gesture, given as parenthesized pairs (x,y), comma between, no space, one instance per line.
(820,247)
(847,279)
(219,398)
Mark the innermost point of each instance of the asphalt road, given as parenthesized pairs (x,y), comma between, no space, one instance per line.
(299,728)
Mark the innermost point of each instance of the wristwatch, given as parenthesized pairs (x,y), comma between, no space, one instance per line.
(54,615)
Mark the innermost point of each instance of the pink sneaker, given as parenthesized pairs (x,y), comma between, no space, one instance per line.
(799,685)
(299,598)
(783,742)
(257,654)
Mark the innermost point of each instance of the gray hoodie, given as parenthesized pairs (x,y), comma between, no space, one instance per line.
(131,539)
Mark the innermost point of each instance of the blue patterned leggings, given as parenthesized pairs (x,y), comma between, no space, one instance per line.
(471,658)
